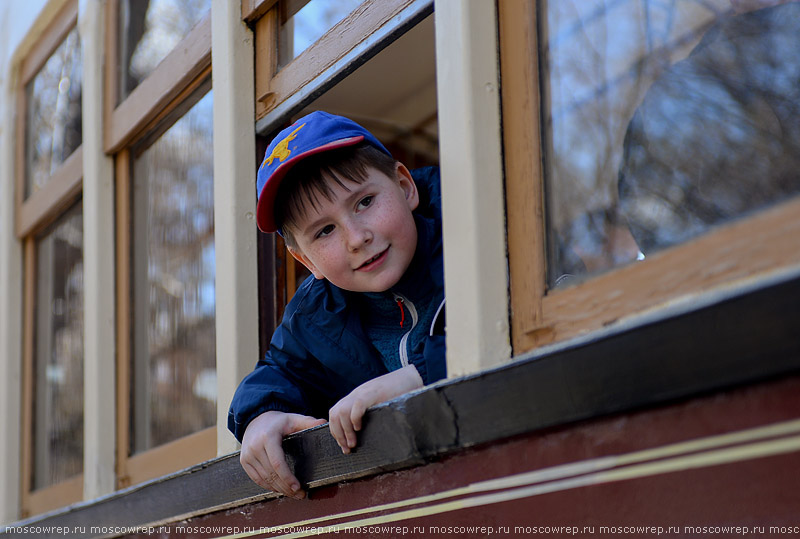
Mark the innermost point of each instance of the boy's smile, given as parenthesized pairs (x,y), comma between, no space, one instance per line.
(364,238)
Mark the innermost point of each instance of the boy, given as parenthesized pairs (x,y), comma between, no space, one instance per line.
(367,326)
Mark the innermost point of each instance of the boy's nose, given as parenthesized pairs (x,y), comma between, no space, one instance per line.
(357,237)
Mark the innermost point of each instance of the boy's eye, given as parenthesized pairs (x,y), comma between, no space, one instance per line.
(365,202)
(324,231)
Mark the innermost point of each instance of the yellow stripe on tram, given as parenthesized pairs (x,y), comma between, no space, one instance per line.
(700,453)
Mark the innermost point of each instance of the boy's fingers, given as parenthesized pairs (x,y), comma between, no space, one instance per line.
(350,435)
(263,475)
(252,466)
(356,414)
(262,455)
(338,433)
(262,467)
(254,474)
(281,477)
(303,422)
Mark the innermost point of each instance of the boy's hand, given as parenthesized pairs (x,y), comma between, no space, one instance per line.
(262,455)
(345,416)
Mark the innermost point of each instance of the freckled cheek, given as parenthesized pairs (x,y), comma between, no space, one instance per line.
(330,260)
(322,259)
(394,223)
(407,230)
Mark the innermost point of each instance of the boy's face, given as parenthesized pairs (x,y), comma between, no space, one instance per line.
(362,240)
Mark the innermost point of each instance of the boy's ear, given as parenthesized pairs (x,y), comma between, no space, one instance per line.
(407,185)
(304,260)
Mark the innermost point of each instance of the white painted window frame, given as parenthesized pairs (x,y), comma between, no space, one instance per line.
(473,212)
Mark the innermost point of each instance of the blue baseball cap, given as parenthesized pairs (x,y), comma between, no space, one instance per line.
(312,134)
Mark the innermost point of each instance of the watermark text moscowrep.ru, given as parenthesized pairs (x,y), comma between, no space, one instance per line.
(396,530)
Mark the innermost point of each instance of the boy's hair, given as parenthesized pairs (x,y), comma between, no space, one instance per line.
(308,180)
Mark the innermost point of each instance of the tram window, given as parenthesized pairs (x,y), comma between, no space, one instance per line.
(393,95)
(667,120)
(661,142)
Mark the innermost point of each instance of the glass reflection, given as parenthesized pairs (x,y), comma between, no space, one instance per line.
(304,28)
(149,30)
(53,122)
(666,119)
(58,370)
(174,372)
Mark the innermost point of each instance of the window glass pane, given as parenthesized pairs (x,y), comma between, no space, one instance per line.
(306,26)
(174,376)
(665,119)
(53,122)
(58,369)
(149,30)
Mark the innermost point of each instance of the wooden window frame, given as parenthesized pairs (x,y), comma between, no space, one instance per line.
(745,249)
(274,86)
(148,107)
(67,491)
(177,454)
(255,9)
(40,208)
(33,214)
(182,67)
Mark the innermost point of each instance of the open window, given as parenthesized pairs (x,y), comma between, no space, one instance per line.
(650,155)
(345,58)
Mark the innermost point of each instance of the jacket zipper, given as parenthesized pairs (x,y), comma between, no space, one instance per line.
(401,300)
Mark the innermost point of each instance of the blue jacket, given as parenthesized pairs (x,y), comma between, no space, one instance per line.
(320,352)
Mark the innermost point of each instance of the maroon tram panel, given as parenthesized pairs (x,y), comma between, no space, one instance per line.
(726,464)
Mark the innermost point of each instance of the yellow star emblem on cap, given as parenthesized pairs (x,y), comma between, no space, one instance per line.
(281,150)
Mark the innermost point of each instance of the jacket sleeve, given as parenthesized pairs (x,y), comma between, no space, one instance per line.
(429,358)
(433,357)
(284,380)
